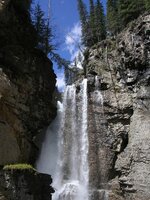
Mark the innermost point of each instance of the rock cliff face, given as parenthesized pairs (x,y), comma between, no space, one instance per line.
(25,185)
(27,83)
(26,108)
(119,130)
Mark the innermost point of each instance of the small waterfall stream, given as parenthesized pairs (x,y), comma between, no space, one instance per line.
(97,96)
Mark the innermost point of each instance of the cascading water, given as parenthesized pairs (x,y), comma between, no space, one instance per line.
(47,160)
(97,96)
(71,176)
(71,179)
(66,153)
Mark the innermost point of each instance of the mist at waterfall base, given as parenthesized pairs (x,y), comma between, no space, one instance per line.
(64,152)
(49,153)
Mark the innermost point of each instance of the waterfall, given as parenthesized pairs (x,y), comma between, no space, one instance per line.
(97,96)
(71,172)
(71,179)
(66,149)
(47,160)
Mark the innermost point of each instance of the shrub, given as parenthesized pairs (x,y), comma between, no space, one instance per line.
(18,166)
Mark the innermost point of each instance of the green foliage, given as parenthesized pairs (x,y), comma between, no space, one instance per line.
(61,62)
(129,10)
(22,166)
(43,29)
(45,37)
(147,5)
(121,12)
(100,26)
(84,21)
(92,28)
(92,23)
(112,17)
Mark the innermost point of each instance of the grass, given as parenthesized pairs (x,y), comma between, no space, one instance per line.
(22,166)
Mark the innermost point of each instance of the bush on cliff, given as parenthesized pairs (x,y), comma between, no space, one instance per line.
(19,166)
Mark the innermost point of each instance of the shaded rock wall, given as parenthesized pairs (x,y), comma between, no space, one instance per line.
(26,106)
(119,131)
(25,185)
(27,84)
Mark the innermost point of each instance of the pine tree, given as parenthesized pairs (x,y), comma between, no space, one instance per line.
(45,37)
(147,5)
(100,22)
(129,10)
(92,27)
(44,32)
(112,17)
(48,39)
(39,23)
(91,8)
(84,21)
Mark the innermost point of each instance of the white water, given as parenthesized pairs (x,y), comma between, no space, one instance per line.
(97,96)
(47,160)
(71,172)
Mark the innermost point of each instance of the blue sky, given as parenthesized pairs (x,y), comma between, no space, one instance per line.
(65,20)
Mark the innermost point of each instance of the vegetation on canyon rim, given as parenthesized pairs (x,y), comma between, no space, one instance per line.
(19,166)
(96,26)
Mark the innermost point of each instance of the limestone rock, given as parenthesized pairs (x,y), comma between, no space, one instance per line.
(119,124)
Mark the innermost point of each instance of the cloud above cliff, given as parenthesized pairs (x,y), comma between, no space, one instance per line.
(73,40)
(60,81)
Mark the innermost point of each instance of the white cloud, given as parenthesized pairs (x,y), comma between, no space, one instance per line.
(60,81)
(73,40)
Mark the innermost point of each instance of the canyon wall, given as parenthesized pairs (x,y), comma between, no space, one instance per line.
(27,84)
(119,129)
(25,185)
(118,73)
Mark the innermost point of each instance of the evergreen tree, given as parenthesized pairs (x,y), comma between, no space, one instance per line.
(39,23)
(112,16)
(48,39)
(147,5)
(92,27)
(91,8)
(44,32)
(45,37)
(100,22)
(84,21)
(129,10)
